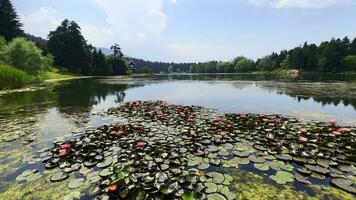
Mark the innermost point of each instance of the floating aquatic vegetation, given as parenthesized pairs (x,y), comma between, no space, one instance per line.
(170,150)
(282,177)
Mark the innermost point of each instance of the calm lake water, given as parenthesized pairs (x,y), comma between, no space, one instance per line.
(31,120)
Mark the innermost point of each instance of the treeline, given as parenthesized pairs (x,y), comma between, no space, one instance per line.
(66,45)
(159,67)
(71,50)
(336,55)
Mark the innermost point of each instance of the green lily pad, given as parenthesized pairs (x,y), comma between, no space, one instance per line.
(226,192)
(283,177)
(344,184)
(72,196)
(215,196)
(75,183)
(105,172)
(210,187)
(122,175)
(217,177)
(59,176)
(33,177)
(203,166)
(280,165)
(188,196)
(227,179)
(262,167)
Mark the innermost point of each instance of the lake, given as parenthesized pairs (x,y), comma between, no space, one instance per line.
(32,120)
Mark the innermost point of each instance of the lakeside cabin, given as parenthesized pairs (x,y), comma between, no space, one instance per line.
(131,65)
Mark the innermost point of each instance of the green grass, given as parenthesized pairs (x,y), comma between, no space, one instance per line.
(11,77)
(60,73)
(140,75)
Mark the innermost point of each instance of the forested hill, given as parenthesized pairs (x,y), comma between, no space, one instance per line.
(157,67)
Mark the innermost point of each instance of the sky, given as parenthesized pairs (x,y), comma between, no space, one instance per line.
(195,30)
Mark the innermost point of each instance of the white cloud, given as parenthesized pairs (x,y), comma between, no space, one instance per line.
(41,21)
(298,3)
(134,19)
(173,1)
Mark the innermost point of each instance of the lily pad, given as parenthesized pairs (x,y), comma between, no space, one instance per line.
(75,183)
(105,172)
(215,196)
(217,177)
(262,167)
(344,184)
(282,177)
(210,187)
(59,176)
(72,196)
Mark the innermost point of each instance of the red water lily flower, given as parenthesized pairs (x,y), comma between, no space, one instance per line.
(335,133)
(63,153)
(112,188)
(190,120)
(279,120)
(228,126)
(242,116)
(66,146)
(140,144)
(332,122)
(213,128)
(344,130)
(271,125)
(303,139)
(303,130)
(218,119)
(264,120)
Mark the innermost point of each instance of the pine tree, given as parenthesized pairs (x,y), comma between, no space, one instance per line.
(70,48)
(10,25)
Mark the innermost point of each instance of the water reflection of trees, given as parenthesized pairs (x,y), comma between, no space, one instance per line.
(79,96)
(221,77)
(321,92)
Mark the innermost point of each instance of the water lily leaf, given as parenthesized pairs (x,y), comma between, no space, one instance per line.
(188,196)
(227,179)
(226,192)
(105,172)
(344,184)
(72,196)
(75,183)
(210,187)
(282,177)
(215,196)
(217,177)
(262,167)
(122,175)
(33,177)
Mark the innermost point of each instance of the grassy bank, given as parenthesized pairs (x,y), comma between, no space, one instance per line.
(11,77)
(140,75)
(60,73)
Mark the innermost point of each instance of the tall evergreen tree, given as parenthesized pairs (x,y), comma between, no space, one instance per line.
(70,48)
(353,47)
(10,25)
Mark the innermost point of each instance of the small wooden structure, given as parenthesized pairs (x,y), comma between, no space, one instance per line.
(131,66)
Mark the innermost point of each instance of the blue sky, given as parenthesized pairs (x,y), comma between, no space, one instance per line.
(195,30)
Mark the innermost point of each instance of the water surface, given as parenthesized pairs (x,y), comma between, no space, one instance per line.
(31,120)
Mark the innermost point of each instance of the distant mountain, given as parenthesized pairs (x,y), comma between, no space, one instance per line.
(35,39)
(105,51)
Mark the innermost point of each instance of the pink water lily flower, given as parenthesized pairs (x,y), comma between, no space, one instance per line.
(332,122)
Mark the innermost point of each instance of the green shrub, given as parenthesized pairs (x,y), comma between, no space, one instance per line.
(24,55)
(11,77)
